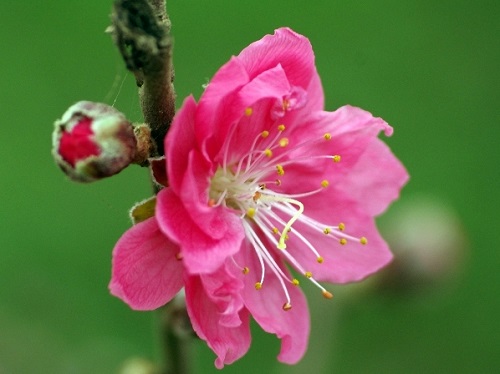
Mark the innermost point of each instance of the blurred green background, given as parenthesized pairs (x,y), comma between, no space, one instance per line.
(430,68)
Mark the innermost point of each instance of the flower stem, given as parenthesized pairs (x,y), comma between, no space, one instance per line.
(176,335)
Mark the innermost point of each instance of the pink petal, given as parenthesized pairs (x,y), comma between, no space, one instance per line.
(259,95)
(207,307)
(179,141)
(146,273)
(202,253)
(342,263)
(375,180)
(285,47)
(352,130)
(266,307)
(217,97)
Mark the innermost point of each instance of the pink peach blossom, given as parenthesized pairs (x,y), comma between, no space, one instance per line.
(261,178)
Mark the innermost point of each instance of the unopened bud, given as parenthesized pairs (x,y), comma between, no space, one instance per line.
(93,141)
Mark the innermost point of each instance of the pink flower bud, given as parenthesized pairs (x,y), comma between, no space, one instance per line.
(93,141)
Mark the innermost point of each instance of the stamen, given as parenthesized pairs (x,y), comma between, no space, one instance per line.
(281,128)
(308,274)
(283,142)
(251,236)
(295,282)
(248,111)
(264,255)
(281,244)
(287,307)
(268,152)
(264,134)
(341,226)
(324,183)
(327,136)
(363,240)
(251,212)
(280,170)
(245,270)
(327,295)
(258,286)
(343,241)
(336,158)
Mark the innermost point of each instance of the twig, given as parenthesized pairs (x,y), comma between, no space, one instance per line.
(141,31)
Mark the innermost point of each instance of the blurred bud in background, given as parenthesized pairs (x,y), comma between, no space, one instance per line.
(429,245)
(138,365)
(93,141)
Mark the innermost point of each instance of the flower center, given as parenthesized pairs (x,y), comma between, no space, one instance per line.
(245,185)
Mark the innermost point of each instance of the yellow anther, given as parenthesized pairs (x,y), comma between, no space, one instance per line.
(326,294)
(286,237)
(341,226)
(280,170)
(287,307)
(248,111)
(275,230)
(363,240)
(258,286)
(256,196)
(343,241)
(336,158)
(268,152)
(327,230)
(178,256)
(327,136)
(281,128)
(324,183)
(264,134)
(308,274)
(295,282)
(320,260)
(245,270)
(283,142)
(251,212)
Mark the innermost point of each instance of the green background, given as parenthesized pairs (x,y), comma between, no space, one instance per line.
(430,68)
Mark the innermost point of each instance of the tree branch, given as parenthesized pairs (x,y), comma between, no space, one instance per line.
(141,31)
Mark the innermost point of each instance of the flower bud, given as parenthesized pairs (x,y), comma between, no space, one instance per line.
(93,141)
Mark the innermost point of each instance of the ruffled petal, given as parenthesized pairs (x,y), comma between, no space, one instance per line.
(259,96)
(351,129)
(266,307)
(217,97)
(285,47)
(180,140)
(375,180)
(146,273)
(342,263)
(202,253)
(210,301)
